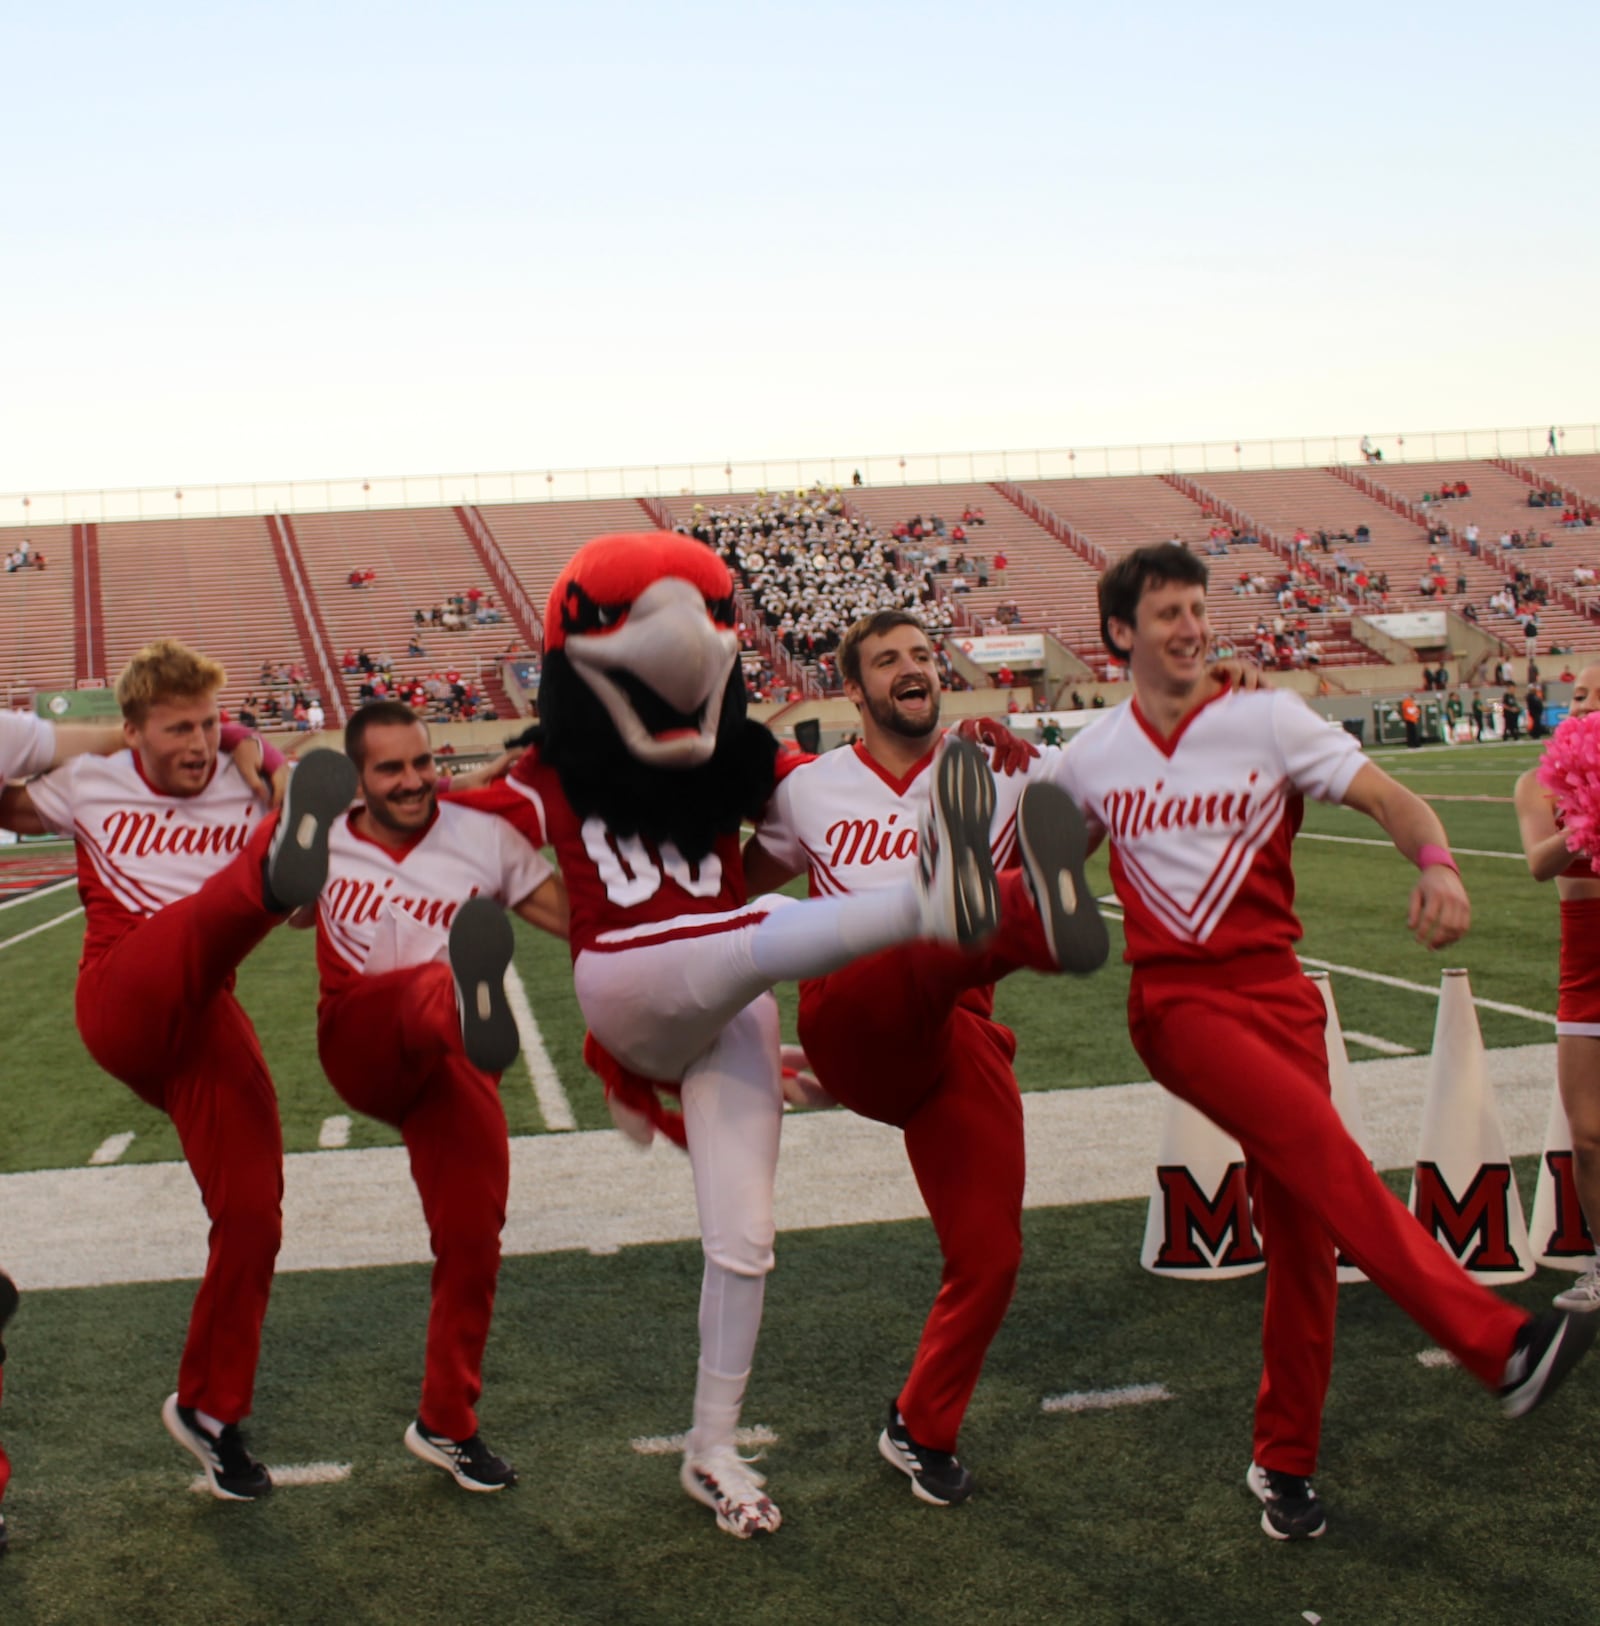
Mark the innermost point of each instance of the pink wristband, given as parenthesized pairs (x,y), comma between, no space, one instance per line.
(1432,853)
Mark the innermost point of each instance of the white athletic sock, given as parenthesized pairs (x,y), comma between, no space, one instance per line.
(820,935)
(730,1319)
(208,1422)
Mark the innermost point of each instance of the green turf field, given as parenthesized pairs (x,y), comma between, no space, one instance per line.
(1440,1511)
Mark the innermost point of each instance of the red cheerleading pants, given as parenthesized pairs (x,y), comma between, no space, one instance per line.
(1244,1044)
(908,1037)
(391,1047)
(157,1011)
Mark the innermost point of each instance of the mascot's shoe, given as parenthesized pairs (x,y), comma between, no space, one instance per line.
(296,867)
(1054,841)
(9,1299)
(956,882)
(723,1481)
(481,945)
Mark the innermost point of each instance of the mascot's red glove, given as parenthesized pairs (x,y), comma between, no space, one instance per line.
(788,759)
(1009,753)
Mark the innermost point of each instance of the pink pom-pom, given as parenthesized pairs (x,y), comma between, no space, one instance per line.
(1570,771)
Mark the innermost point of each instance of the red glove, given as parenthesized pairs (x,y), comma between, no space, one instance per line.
(789,758)
(1009,753)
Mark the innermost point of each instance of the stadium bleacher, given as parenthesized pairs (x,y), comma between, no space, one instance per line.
(217,582)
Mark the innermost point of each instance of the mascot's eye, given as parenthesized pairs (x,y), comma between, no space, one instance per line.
(721,611)
(581,614)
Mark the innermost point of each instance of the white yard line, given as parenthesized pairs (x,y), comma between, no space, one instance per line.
(1423,988)
(1375,841)
(41,892)
(667,1445)
(1384,1047)
(1133,1394)
(1436,1357)
(554,1107)
(34,931)
(334,1133)
(110,1150)
(290,1475)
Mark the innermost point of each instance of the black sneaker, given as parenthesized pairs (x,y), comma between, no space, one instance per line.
(231,1472)
(956,884)
(470,1463)
(1547,1348)
(481,945)
(935,1476)
(9,1299)
(1291,1510)
(5,1540)
(320,789)
(1054,841)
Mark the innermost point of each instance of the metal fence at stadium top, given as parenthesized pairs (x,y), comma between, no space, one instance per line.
(19,509)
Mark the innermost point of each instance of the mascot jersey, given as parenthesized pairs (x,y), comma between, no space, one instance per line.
(615,883)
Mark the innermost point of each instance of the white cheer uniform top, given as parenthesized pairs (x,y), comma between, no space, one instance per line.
(140,849)
(852,826)
(1201,824)
(27,743)
(383,909)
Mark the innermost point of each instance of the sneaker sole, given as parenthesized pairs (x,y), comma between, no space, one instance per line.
(481,946)
(964,798)
(175,1427)
(424,1452)
(1258,1489)
(320,789)
(1054,842)
(892,1454)
(1567,1348)
(690,1481)
(1573,1301)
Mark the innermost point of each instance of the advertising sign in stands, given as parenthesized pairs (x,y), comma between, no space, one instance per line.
(1020,651)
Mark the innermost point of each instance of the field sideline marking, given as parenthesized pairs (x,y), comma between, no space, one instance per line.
(554,1107)
(110,1150)
(38,892)
(300,1473)
(1436,1357)
(334,1133)
(1423,988)
(1132,1394)
(666,1445)
(33,931)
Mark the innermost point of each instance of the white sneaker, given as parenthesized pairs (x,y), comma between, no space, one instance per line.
(959,893)
(1584,1294)
(725,1483)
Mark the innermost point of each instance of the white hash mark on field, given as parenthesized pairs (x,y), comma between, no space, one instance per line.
(554,1107)
(34,896)
(1377,841)
(335,1132)
(1132,1394)
(1436,1357)
(666,1445)
(1384,1047)
(300,1473)
(110,1150)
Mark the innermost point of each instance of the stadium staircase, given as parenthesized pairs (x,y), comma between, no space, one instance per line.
(89,641)
(315,647)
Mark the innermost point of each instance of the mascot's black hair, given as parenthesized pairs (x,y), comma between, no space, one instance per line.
(690,807)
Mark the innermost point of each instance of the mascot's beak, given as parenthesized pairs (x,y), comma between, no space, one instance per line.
(661,674)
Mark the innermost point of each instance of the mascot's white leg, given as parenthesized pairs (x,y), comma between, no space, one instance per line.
(733,1113)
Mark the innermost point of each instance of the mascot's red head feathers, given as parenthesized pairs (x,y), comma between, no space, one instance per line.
(641,711)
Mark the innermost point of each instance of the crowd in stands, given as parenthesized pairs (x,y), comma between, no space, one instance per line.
(24,557)
(284,697)
(440,697)
(810,569)
(460,612)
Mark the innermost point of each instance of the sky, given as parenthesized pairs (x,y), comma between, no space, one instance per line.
(261,242)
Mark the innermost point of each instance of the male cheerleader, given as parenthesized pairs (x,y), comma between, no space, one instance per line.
(181,876)
(413,1029)
(908,1035)
(1200,789)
